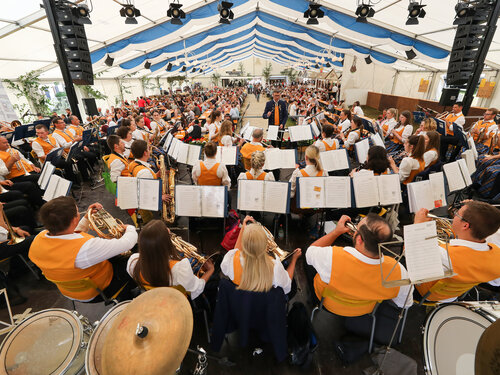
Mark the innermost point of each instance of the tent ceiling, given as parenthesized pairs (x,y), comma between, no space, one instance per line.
(274,29)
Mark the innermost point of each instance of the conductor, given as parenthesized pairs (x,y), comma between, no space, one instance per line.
(276,113)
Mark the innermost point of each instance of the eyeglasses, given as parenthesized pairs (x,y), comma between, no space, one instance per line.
(455,213)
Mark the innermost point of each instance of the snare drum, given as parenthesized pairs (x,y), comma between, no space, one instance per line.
(451,335)
(51,341)
(94,352)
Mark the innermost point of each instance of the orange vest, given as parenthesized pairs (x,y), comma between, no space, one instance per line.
(47,145)
(359,137)
(56,258)
(305,174)
(248,149)
(237,268)
(113,157)
(481,125)
(146,285)
(400,133)
(471,266)
(17,168)
(328,147)
(134,168)
(353,295)
(181,134)
(450,119)
(67,137)
(414,172)
(78,130)
(261,177)
(217,138)
(209,176)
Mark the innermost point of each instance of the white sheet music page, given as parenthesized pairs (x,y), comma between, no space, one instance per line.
(250,195)
(334,160)
(377,140)
(338,192)
(229,155)
(389,189)
(422,252)
(187,200)
(173,146)
(247,135)
(276,196)
(300,133)
(454,176)
(48,170)
(194,154)
(126,193)
(312,192)
(365,189)
(362,148)
(272,158)
(287,159)
(51,189)
(468,155)
(465,172)
(149,194)
(212,201)
(182,153)
(168,141)
(472,146)
(62,188)
(438,191)
(420,195)
(315,128)
(272,133)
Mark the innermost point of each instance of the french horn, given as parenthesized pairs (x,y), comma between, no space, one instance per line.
(105,225)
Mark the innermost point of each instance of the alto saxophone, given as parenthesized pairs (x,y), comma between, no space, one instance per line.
(167,187)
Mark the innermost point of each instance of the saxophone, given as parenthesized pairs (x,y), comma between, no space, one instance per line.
(167,187)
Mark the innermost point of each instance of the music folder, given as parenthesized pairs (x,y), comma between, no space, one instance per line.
(300,133)
(141,193)
(227,155)
(272,132)
(362,148)
(201,201)
(87,136)
(54,155)
(188,154)
(280,159)
(429,194)
(264,196)
(334,160)
(323,192)
(75,149)
(56,187)
(168,141)
(371,190)
(47,171)
(457,175)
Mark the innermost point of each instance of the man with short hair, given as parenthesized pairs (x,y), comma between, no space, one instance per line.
(484,130)
(65,252)
(473,259)
(117,162)
(44,143)
(456,117)
(139,167)
(276,112)
(14,166)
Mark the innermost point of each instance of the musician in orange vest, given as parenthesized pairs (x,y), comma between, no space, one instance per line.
(75,128)
(140,167)
(117,162)
(352,275)
(327,143)
(257,161)
(65,252)
(44,143)
(14,166)
(249,148)
(484,130)
(313,168)
(412,164)
(209,171)
(456,117)
(474,260)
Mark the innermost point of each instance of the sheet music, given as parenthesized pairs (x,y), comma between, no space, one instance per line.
(465,172)
(337,192)
(188,200)
(365,193)
(48,170)
(62,188)
(377,140)
(300,133)
(472,146)
(247,134)
(438,192)
(126,193)
(420,195)
(312,192)
(288,159)
(168,141)
(468,155)
(173,146)
(362,148)
(314,126)
(272,132)
(389,189)
(149,194)
(57,187)
(251,195)
(182,153)
(244,128)
(213,200)
(454,176)
(277,196)
(227,155)
(422,253)
(194,154)
(334,160)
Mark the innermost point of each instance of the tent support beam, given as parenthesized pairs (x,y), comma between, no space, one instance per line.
(394,81)
(431,85)
(50,10)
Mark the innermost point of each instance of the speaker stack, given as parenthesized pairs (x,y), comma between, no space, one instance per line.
(75,45)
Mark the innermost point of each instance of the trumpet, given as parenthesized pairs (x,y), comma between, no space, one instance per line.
(272,248)
(189,251)
(105,225)
(352,228)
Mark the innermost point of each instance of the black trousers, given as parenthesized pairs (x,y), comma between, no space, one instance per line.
(120,279)
(21,189)
(20,214)
(7,251)
(447,140)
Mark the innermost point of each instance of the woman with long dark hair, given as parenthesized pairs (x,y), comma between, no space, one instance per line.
(400,133)
(414,163)
(432,143)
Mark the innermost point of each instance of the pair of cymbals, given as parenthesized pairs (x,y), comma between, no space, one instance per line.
(487,360)
(150,336)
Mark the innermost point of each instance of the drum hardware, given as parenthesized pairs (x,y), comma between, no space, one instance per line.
(202,364)
(105,225)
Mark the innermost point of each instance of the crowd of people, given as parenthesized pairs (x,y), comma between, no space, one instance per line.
(127,138)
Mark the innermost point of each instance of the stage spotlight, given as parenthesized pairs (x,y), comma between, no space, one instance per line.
(147,65)
(176,13)
(410,54)
(82,13)
(368,60)
(316,66)
(313,13)
(463,10)
(415,11)
(193,70)
(363,12)
(183,68)
(169,67)
(129,11)
(225,12)
(109,61)
(328,65)
(201,70)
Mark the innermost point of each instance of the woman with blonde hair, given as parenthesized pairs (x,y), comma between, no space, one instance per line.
(226,134)
(257,161)
(389,122)
(427,125)
(251,268)
(313,168)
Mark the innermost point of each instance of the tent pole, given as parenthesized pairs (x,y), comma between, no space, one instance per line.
(50,10)
(394,81)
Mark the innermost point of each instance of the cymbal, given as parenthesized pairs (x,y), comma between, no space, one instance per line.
(487,360)
(151,335)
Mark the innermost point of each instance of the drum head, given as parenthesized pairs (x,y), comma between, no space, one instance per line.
(93,364)
(45,343)
(450,338)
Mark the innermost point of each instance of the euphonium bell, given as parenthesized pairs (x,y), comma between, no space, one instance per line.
(105,225)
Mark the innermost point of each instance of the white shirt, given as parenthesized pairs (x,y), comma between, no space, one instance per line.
(182,274)
(460,121)
(234,113)
(145,172)
(39,149)
(4,234)
(321,259)
(429,157)
(213,129)
(139,135)
(255,174)
(493,127)
(227,140)
(391,124)
(310,170)
(345,125)
(209,163)
(358,111)
(352,138)
(280,276)
(128,145)
(62,142)
(293,110)
(3,168)
(330,141)
(407,165)
(116,168)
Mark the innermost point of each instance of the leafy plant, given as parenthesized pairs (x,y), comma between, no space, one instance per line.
(147,83)
(290,73)
(90,92)
(266,72)
(29,87)
(241,69)
(215,79)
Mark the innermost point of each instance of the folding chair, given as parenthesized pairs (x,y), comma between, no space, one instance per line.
(446,287)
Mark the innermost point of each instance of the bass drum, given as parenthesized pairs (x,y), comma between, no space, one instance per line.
(451,335)
(93,356)
(49,342)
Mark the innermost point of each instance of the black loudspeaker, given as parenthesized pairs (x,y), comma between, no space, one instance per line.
(75,46)
(90,107)
(449,96)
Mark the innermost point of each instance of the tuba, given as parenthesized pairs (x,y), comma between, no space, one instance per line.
(105,225)
(167,187)
(189,251)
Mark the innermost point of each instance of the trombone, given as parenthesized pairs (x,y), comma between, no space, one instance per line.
(14,238)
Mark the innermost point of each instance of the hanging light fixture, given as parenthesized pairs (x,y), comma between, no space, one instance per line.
(109,60)
(313,13)
(82,13)
(147,65)
(176,13)
(415,11)
(130,12)
(364,10)
(368,60)
(225,12)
